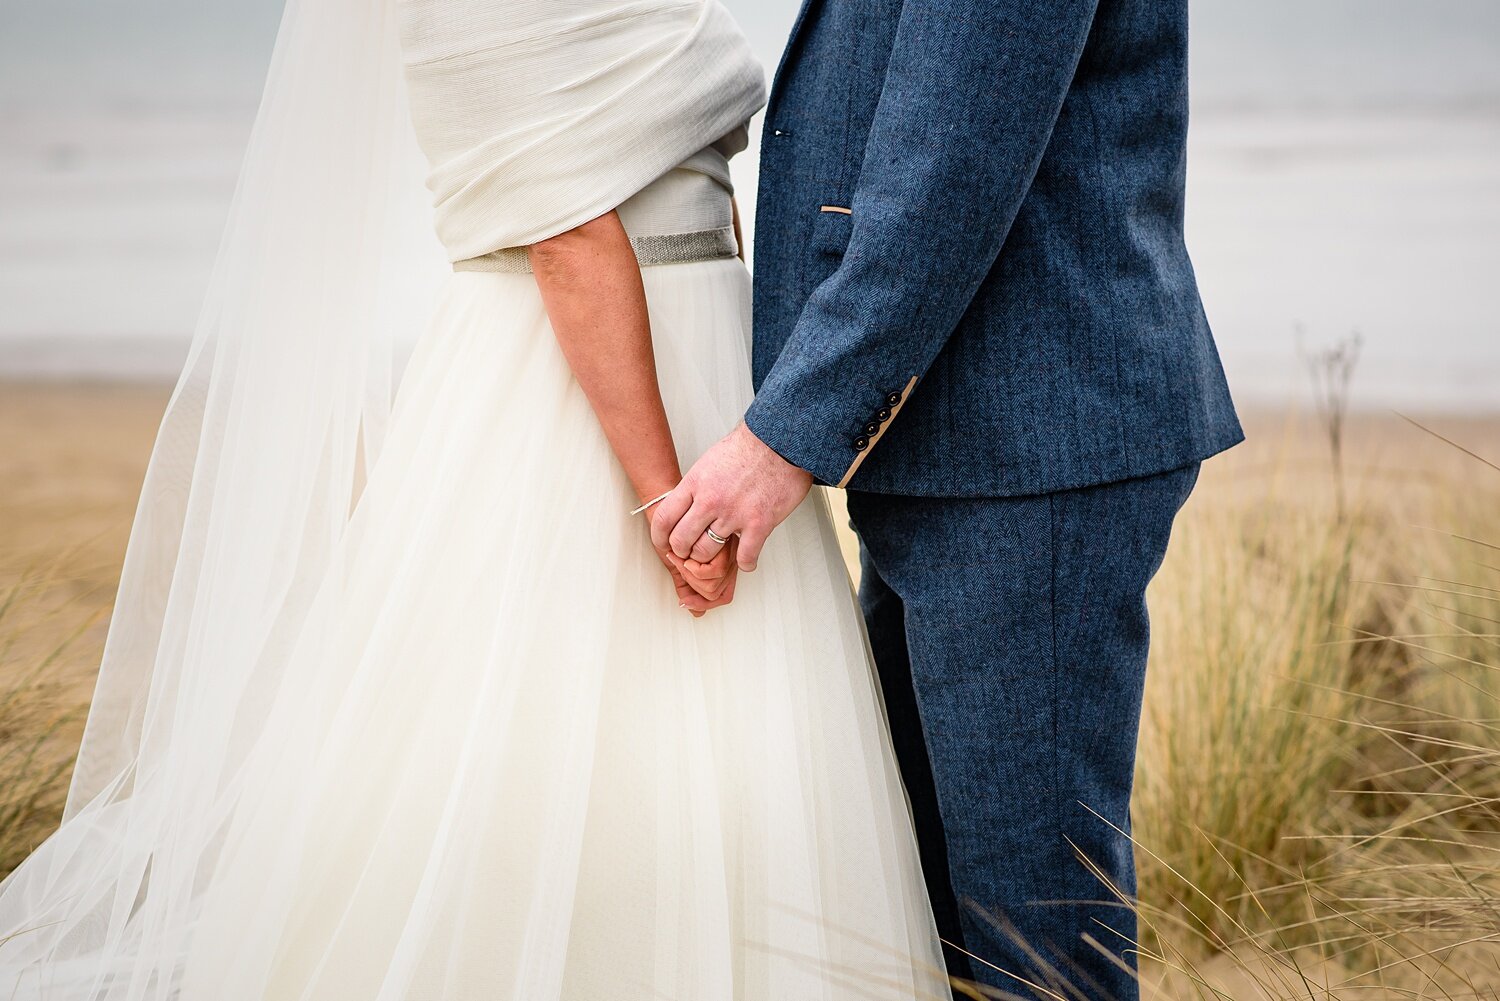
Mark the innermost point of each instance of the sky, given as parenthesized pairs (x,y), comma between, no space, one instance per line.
(1330,52)
(1344,174)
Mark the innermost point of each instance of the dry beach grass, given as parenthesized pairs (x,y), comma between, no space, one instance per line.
(1319,793)
(1321,756)
(71,460)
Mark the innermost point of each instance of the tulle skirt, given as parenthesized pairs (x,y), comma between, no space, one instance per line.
(502,763)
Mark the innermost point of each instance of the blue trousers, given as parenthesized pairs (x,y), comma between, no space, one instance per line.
(1010,635)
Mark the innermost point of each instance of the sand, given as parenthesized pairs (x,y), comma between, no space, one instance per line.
(71,462)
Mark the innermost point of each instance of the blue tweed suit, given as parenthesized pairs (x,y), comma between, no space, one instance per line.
(974,310)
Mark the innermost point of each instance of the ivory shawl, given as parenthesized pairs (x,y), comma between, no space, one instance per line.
(539,115)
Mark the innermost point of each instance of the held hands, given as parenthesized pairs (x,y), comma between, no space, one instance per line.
(740,487)
(702,587)
(739,491)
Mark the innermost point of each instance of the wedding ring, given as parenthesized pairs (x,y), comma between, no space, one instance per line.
(715,536)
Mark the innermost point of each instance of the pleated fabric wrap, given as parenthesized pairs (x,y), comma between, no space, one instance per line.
(537,117)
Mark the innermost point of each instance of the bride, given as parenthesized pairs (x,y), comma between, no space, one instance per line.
(399,702)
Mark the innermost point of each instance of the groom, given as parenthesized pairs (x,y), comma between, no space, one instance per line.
(974,311)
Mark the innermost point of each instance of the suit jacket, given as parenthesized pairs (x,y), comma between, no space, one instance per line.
(970,271)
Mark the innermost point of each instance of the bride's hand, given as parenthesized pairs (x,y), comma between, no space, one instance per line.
(687,598)
(715,579)
(703,588)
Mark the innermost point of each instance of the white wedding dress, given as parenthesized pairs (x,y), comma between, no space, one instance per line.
(480,754)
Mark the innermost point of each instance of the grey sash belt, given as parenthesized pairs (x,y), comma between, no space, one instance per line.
(674,248)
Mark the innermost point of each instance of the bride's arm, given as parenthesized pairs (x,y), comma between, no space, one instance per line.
(591,286)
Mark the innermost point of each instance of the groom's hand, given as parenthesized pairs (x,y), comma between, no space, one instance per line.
(739,487)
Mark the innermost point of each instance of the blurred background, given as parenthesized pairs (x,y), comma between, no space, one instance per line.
(1342,176)
(1318,796)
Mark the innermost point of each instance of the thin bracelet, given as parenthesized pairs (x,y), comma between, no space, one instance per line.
(651,503)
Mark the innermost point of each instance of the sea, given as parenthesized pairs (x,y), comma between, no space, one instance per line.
(1344,182)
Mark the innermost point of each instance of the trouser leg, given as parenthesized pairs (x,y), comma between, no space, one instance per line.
(885,618)
(1026,638)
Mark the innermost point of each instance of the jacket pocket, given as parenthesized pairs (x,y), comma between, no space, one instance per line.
(831,230)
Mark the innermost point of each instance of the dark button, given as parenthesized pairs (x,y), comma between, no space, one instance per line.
(893,399)
(861,443)
(883,414)
(872,428)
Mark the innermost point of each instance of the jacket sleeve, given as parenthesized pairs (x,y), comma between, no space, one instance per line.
(972,92)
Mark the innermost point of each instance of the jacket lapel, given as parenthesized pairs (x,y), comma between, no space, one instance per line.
(805,16)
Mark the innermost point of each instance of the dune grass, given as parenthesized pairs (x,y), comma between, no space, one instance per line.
(1318,807)
(38,717)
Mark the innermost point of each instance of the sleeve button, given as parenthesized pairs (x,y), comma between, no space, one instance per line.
(872,428)
(892,399)
(861,443)
(883,414)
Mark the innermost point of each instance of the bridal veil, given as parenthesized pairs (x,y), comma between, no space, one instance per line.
(328,252)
